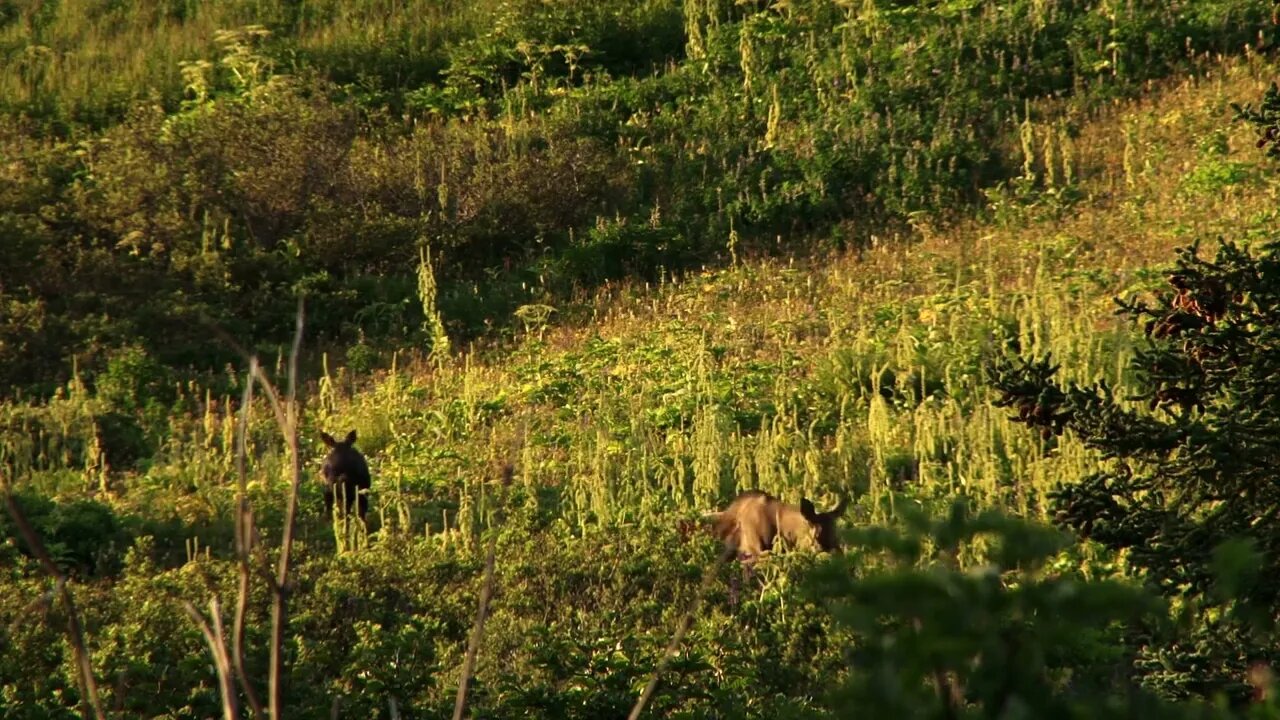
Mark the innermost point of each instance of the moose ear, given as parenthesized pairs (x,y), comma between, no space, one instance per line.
(328,439)
(807,510)
(351,438)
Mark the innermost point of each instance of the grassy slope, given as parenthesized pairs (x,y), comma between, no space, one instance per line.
(94,58)
(882,111)
(759,375)
(645,399)
(643,405)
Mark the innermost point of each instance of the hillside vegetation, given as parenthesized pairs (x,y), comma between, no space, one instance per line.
(181,165)
(649,255)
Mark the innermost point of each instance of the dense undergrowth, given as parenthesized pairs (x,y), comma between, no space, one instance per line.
(179,166)
(950,184)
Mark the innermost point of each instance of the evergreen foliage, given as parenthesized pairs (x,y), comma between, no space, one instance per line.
(1009,636)
(1187,482)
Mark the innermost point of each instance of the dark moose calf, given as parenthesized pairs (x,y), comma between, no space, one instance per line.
(346,476)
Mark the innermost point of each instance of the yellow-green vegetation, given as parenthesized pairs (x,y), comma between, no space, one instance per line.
(866,367)
(797,327)
(535,148)
(91,60)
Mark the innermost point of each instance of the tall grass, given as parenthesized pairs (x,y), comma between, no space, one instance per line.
(848,374)
(536,147)
(855,374)
(93,59)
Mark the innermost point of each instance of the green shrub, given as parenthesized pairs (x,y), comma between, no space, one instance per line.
(1009,633)
(82,536)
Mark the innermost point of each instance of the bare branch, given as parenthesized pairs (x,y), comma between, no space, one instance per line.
(244,545)
(218,648)
(270,391)
(293,360)
(288,421)
(682,629)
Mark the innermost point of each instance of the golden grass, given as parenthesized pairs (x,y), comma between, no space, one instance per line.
(926,306)
(96,54)
(650,401)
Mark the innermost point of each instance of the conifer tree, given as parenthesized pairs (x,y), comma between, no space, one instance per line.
(1190,482)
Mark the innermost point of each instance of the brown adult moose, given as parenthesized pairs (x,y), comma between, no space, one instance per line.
(346,476)
(755,520)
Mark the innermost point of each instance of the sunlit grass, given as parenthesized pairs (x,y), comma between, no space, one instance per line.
(91,57)
(637,406)
(767,374)
(856,374)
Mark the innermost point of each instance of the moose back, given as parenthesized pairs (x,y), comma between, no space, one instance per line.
(755,520)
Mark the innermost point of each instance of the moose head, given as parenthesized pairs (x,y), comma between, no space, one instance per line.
(346,475)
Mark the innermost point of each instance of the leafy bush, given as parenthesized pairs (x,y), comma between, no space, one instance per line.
(82,536)
(1014,634)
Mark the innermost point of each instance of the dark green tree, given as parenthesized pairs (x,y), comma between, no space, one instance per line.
(1189,481)
(1266,118)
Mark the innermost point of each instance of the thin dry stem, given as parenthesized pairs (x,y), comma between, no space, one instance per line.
(682,629)
(486,591)
(75,633)
(288,421)
(244,545)
(218,648)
